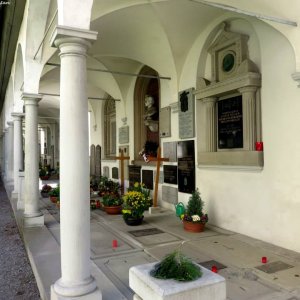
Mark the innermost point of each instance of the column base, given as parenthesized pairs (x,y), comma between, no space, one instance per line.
(33,221)
(154,210)
(95,295)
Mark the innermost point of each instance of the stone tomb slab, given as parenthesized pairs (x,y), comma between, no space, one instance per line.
(170,194)
(208,264)
(274,267)
(145,232)
(101,241)
(155,239)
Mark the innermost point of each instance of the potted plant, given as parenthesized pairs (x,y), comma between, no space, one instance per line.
(43,174)
(112,203)
(194,219)
(136,201)
(45,190)
(54,194)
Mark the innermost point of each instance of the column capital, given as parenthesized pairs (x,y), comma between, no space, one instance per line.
(31,99)
(209,99)
(17,116)
(63,34)
(248,89)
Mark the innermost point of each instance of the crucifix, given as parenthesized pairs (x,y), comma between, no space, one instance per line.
(158,160)
(121,158)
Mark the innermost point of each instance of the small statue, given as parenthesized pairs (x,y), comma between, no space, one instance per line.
(150,117)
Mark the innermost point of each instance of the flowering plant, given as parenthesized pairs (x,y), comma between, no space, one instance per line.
(46,188)
(136,201)
(194,212)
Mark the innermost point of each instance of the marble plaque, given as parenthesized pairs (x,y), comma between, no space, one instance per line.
(98,161)
(165,122)
(186,115)
(115,173)
(124,135)
(170,174)
(92,160)
(170,151)
(161,176)
(134,174)
(170,194)
(106,171)
(186,166)
(147,178)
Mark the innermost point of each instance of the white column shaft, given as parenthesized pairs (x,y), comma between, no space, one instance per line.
(18,154)
(31,199)
(211,130)
(10,151)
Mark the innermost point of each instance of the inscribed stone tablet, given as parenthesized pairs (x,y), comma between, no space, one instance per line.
(92,160)
(106,171)
(124,135)
(98,161)
(147,178)
(170,151)
(134,174)
(170,194)
(170,174)
(186,114)
(115,173)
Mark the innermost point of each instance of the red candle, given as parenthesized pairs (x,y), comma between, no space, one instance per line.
(214,269)
(259,146)
(264,259)
(115,243)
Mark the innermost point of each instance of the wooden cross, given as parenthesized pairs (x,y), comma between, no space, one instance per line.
(158,160)
(121,158)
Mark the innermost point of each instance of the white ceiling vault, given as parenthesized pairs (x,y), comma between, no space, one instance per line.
(157,33)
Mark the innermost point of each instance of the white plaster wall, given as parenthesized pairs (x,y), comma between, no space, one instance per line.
(265,204)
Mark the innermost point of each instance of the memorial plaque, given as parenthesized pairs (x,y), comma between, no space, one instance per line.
(115,173)
(134,174)
(98,161)
(230,123)
(106,171)
(165,122)
(92,160)
(186,116)
(147,178)
(124,135)
(186,166)
(170,151)
(170,194)
(170,174)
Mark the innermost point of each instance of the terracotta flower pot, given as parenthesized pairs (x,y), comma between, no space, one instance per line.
(113,210)
(193,227)
(53,199)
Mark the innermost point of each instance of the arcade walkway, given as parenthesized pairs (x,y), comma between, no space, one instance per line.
(236,256)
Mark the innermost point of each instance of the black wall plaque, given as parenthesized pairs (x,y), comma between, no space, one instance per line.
(230,123)
(147,178)
(134,174)
(186,166)
(170,174)
(115,173)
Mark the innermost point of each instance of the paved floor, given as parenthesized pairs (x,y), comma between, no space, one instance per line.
(238,256)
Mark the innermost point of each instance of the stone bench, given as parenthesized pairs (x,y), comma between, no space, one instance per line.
(210,286)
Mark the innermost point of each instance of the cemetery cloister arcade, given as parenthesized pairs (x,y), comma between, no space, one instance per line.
(223,77)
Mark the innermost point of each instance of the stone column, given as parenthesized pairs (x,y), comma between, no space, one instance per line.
(4,142)
(211,123)
(18,151)
(249,117)
(1,154)
(32,215)
(10,152)
(76,280)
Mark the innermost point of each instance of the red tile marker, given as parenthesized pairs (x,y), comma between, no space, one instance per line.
(114,243)
(214,269)
(259,146)
(264,259)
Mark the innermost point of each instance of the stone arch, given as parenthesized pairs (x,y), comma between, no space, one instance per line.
(144,86)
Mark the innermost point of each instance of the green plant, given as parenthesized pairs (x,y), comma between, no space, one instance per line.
(107,185)
(136,201)
(112,199)
(42,172)
(194,212)
(55,192)
(176,266)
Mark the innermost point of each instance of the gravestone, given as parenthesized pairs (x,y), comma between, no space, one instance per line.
(230,123)
(134,174)
(186,115)
(147,178)
(124,135)
(170,174)
(92,160)
(106,171)
(170,194)
(170,151)
(186,166)
(98,161)
(115,173)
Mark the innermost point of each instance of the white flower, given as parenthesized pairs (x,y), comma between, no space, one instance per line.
(195,218)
